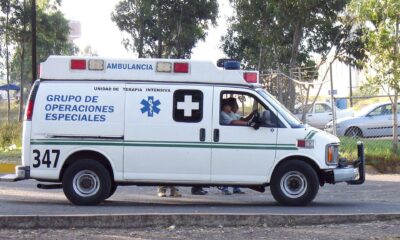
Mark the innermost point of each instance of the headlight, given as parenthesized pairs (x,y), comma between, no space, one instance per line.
(332,154)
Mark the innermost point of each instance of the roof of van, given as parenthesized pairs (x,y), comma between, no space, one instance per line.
(142,69)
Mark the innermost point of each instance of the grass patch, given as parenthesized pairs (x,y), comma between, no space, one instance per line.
(13,111)
(10,143)
(10,134)
(12,156)
(378,153)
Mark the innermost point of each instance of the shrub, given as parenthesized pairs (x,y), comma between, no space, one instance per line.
(10,133)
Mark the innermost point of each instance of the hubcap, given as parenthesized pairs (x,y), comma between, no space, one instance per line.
(293,184)
(86,183)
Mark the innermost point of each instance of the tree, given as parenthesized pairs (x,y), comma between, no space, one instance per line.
(52,38)
(6,9)
(282,34)
(164,28)
(380,20)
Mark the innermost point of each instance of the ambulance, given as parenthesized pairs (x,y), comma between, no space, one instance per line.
(93,124)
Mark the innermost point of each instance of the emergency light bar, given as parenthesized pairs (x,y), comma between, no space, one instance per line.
(180,70)
(179,67)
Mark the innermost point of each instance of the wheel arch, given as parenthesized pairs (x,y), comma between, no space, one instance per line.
(308,160)
(353,126)
(89,154)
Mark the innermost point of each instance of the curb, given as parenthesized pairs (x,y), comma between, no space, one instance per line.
(7,168)
(199,220)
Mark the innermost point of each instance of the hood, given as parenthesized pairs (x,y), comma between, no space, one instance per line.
(322,136)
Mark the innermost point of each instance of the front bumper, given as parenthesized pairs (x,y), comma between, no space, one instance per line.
(353,174)
(21,173)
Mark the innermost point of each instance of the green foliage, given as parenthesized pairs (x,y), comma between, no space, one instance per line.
(379,17)
(381,20)
(164,28)
(283,35)
(10,134)
(52,38)
(378,153)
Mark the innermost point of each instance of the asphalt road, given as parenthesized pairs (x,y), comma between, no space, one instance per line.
(380,194)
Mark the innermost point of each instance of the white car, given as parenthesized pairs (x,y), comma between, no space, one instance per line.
(375,120)
(321,113)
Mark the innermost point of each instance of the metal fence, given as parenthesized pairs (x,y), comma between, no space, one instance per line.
(368,118)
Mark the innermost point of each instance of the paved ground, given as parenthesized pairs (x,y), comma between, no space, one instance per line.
(380,194)
(376,230)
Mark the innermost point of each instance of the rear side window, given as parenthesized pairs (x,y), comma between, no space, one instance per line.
(188,106)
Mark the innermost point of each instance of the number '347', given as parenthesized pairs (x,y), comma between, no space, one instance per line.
(48,157)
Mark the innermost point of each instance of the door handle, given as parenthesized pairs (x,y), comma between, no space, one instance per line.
(202,134)
(310,115)
(216,135)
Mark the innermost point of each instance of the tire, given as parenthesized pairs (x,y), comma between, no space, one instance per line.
(354,132)
(294,183)
(86,182)
(112,191)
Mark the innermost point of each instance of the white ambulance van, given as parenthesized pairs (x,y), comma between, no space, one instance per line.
(93,124)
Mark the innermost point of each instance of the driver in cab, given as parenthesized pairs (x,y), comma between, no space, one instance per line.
(229,115)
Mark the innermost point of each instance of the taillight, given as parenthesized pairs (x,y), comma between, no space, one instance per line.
(181,67)
(31,101)
(29,111)
(78,64)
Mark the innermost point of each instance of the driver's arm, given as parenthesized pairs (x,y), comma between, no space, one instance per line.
(239,122)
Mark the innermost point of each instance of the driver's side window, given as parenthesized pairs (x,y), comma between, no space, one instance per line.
(237,108)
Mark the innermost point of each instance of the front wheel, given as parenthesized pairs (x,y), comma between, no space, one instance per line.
(86,182)
(294,183)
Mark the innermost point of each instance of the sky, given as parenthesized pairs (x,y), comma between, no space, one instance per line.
(98,31)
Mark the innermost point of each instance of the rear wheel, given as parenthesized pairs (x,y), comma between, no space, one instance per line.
(354,132)
(86,182)
(294,183)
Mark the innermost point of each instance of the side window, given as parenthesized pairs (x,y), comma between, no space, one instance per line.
(236,108)
(387,109)
(301,109)
(321,108)
(377,111)
(188,106)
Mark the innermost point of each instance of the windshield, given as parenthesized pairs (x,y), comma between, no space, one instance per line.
(282,110)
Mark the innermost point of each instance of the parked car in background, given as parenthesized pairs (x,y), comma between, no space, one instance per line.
(374,120)
(320,114)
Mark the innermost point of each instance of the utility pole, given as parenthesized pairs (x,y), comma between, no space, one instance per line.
(351,87)
(332,102)
(33,29)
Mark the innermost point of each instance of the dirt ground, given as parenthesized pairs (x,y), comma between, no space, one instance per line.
(373,230)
